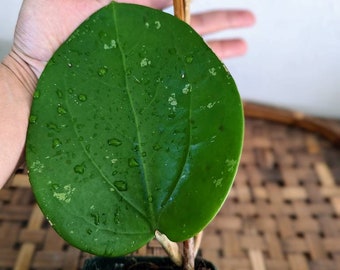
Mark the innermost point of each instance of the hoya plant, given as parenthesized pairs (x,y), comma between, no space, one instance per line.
(136,128)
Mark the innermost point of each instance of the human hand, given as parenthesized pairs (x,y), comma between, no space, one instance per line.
(211,22)
(41,28)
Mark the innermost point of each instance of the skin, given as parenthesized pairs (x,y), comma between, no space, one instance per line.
(41,28)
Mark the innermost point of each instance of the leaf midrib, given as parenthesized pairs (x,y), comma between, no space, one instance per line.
(152,222)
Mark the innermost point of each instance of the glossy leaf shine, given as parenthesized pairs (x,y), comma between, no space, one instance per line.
(137,126)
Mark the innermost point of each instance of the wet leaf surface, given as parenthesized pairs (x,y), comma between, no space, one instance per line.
(135,126)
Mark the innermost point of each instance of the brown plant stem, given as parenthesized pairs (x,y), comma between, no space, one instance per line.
(197,243)
(170,248)
(188,254)
(182,10)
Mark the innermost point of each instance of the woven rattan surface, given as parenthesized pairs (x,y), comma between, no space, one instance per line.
(282,213)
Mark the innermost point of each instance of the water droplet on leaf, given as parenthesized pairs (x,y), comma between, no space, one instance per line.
(36,94)
(88,148)
(132,162)
(121,185)
(95,217)
(82,97)
(189,59)
(79,169)
(102,71)
(117,216)
(171,115)
(61,110)
(212,71)
(145,62)
(52,126)
(156,147)
(55,186)
(187,89)
(56,143)
(172,100)
(114,142)
(33,119)
(158,25)
(111,45)
(59,93)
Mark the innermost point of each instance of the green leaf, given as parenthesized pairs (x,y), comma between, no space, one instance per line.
(135,126)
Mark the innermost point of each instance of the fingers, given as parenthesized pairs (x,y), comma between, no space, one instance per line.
(213,21)
(220,20)
(228,48)
(159,4)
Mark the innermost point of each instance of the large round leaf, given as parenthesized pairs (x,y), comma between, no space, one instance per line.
(135,126)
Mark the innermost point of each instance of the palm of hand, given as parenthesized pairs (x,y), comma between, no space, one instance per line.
(44,25)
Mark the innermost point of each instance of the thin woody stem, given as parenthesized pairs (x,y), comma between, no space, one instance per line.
(170,247)
(187,11)
(197,244)
(182,10)
(188,254)
(179,9)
